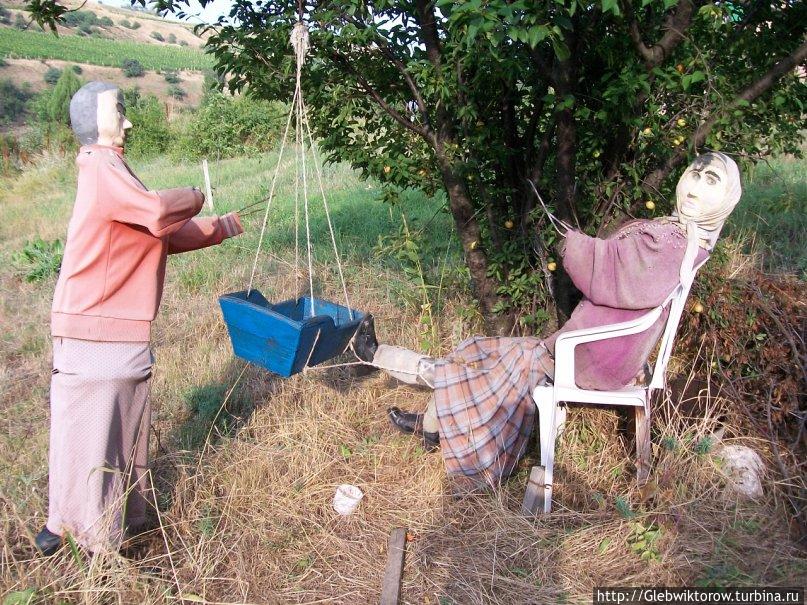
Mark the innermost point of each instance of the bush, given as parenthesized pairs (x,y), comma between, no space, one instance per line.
(58,105)
(5,16)
(157,36)
(172,77)
(232,126)
(3,62)
(150,134)
(39,259)
(136,24)
(126,23)
(132,68)
(106,22)
(176,92)
(20,22)
(52,75)
(77,69)
(172,39)
(183,43)
(85,29)
(13,100)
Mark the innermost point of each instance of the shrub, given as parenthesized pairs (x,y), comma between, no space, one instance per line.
(52,75)
(77,69)
(20,22)
(58,105)
(39,259)
(150,134)
(13,100)
(232,126)
(183,43)
(176,92)
(5,16)
(157,36)
(126,23)
(3,62)
(85,29)
(172,77)
(136,24)
(172,39)
(132,68)
(106,22)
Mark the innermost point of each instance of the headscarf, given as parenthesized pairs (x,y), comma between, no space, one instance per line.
(704,229)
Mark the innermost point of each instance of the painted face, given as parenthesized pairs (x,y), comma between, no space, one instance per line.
(112,122)
(702,189)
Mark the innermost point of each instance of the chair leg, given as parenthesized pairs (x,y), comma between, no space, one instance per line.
(643,448)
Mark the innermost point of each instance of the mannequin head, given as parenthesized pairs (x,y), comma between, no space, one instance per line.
(97,115)
(707,192)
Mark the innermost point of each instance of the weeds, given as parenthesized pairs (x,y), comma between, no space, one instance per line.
(39,259)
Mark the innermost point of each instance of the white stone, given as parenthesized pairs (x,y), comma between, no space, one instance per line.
(743,468)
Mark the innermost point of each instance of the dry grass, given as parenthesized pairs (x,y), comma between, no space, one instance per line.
(245,516)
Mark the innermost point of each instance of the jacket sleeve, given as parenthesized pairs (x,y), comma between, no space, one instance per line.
(637,270)
(202,232)
(125,200)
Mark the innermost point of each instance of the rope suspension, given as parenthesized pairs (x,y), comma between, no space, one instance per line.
(299,41)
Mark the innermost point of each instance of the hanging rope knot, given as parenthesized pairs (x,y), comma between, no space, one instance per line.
(299,41)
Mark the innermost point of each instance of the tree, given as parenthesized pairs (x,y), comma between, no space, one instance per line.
(596,102)
(58,105)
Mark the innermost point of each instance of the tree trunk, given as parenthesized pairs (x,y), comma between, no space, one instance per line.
(484,287)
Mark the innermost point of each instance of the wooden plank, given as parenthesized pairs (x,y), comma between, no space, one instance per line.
(391,586)
(208,189)
(534,495)
(643,447)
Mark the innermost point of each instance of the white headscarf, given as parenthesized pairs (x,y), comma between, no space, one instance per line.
(703,230)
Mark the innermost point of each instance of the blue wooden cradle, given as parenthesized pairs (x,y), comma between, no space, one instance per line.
(283,337)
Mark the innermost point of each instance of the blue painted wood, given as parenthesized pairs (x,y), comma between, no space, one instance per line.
(282,337)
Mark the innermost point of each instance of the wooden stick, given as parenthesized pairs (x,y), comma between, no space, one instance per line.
(208,190)
(391,586)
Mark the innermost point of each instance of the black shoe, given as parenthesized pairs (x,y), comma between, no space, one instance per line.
(364,343)
(406,422)
(47,542)
(431,441)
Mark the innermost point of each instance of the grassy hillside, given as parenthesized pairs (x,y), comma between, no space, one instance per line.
(245,465)
(98,51)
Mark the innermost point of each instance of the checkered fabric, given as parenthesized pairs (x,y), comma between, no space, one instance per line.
(483,396)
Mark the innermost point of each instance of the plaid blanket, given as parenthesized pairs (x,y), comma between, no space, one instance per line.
(483,397)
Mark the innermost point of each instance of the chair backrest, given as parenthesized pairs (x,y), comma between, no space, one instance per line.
(677,301)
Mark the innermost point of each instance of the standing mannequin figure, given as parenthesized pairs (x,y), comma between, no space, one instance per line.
(108,293)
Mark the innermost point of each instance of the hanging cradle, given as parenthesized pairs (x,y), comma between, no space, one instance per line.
(287,337)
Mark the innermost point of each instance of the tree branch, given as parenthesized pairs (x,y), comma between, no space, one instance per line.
(347,66)
(675,25)
(428,30)
(750,94)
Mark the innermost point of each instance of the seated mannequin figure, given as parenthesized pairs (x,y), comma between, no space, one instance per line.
(108,293)
(481,411)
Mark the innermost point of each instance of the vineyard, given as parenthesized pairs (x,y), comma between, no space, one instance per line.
(99,51)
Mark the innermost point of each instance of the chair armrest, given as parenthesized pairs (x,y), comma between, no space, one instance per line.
(566,342)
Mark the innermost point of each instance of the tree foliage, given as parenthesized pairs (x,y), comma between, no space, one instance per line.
(597,102)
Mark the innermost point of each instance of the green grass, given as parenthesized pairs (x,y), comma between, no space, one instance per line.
(772,215)
(98,51)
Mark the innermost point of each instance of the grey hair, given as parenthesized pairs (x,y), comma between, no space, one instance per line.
(84,110)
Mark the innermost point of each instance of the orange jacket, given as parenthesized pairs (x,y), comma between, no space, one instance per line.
(112,274)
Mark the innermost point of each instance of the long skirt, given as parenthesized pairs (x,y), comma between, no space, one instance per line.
(483,399)
(99,428)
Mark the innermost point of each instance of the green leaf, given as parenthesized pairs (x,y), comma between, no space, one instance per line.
(603,546)
(20,597)
(561,50)
(345,451)
(611,6)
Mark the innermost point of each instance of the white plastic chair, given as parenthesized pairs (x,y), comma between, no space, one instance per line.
(548,398)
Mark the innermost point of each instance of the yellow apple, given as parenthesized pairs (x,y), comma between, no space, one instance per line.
(681,122)
(387,169)
(647,131)
(697,308)
(508,224)
(650,205)
(552,265)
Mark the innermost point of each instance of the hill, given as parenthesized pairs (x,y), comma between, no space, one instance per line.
(99,38)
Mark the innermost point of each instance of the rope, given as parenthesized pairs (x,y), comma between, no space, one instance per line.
(327,211)
(269,203)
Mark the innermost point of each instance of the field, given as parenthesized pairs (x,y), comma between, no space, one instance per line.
(245,465)
(98,51)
